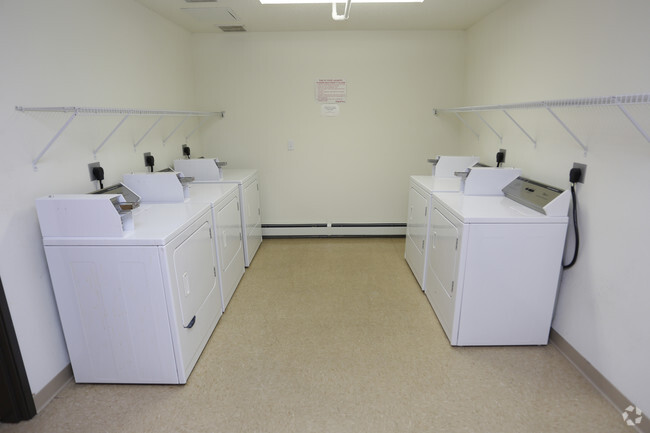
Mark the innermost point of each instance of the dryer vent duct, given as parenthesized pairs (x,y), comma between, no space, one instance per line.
(232,28)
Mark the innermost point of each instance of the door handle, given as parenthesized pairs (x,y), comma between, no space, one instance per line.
(189,325)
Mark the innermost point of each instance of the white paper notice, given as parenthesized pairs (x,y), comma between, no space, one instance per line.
(329,110)
(332,91)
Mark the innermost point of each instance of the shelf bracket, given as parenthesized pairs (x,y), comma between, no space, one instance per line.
(490,126)
(466,124)
(520,128)
(56,136)
(566,128)
(147,133)
(634,122)
(174,130)
(110,135)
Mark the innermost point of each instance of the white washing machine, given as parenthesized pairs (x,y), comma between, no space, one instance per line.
(137,290)
(421,189)
(494,264)
(247,180)
(223,199)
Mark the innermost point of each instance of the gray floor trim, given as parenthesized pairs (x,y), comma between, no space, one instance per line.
(609,391)
(44,396)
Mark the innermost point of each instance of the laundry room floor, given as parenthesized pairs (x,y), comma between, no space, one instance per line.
(335,335)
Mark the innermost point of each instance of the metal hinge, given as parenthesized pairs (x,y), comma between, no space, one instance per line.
(240,238)
(425,211)
(456,243)
(452,287)
(237,205)
(422,243)
(215,271)
(210,231)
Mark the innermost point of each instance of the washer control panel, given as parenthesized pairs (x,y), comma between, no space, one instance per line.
(530,193)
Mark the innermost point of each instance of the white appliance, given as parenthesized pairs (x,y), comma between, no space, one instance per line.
(493,264)
(223,199)
(421,189)
(137,302)
(247,180)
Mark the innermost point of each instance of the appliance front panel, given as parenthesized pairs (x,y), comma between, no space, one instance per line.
(113,310)
(442,267)
(252,219)
(231,246)
(191,263)
(194,264)
(230,232)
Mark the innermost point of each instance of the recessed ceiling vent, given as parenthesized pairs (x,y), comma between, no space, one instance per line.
(228,29)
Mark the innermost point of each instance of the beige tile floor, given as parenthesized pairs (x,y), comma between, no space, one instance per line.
(334,335)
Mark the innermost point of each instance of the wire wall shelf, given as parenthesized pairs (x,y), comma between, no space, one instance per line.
(125,113)
(620,101)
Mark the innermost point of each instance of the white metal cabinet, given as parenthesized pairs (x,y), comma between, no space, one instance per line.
(227,217)
(138,308)
(442,263)
(421,189)
(416,231)
(100,293)
(247,181)
(192,262)
(493,275)
(224,200)
(252,219)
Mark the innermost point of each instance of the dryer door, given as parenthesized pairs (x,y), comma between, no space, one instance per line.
(231,247)
(442,260)
(230,233)
(416,230)
(444,244)
(194,262)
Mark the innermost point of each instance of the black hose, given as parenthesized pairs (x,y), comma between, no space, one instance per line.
(575,227)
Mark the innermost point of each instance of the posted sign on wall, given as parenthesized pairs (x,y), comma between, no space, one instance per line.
(331,91)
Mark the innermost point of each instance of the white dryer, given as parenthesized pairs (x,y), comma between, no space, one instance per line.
(247,181)
(494,265)
(137,290)
(421,189)
(223,199)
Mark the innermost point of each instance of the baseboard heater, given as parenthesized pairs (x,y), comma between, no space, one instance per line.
(327,230)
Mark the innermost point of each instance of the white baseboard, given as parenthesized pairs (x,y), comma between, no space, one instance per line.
(56,385)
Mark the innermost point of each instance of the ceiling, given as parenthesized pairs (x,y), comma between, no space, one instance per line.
(206,17)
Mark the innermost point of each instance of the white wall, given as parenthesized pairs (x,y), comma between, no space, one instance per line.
(74,53)
(554,49)
(350,168)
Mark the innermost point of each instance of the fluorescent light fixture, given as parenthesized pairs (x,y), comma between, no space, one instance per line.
(292,2)
(335,14)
